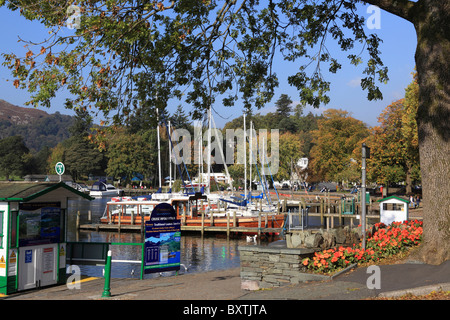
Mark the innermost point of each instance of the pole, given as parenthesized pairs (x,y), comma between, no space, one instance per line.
(245,162)
(107,289)
(208,189)
(170,160)
(365,153)
(250,158)
(159,148)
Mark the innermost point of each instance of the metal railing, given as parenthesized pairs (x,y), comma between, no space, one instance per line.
(298,219)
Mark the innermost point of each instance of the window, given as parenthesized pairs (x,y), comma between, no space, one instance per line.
(39,223)
(13,236)
(1,228)
(393,206)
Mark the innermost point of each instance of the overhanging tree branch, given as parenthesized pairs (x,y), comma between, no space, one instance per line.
(401,8)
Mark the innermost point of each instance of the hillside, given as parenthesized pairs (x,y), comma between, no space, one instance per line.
(37,127)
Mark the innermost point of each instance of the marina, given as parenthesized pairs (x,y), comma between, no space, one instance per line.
(213,251)
(209,245)
(125,214)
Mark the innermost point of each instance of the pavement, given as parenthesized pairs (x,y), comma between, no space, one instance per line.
(225,285)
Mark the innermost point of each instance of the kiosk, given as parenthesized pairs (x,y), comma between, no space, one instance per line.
(33,221)
(392,209)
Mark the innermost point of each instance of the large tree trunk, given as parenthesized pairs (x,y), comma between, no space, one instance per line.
(433,120)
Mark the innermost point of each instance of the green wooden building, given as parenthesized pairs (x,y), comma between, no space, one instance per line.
(33,231)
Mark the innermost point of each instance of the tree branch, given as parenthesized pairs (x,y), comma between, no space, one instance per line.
(401,8)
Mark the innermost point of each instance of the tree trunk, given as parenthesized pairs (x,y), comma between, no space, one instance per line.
(408,181)
(433,121)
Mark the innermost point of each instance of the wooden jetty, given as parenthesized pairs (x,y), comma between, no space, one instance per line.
(328,207)
(201,229)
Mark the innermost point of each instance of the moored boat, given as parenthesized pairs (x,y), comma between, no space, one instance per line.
(193,211)
(102,189)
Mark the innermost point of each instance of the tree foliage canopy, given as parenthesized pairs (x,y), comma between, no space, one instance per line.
(127,55)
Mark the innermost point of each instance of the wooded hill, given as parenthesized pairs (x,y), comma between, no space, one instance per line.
(37,128)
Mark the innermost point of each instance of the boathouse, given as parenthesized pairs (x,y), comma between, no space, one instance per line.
(392,209)
(33,224)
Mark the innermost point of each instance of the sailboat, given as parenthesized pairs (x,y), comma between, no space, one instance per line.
(201,207)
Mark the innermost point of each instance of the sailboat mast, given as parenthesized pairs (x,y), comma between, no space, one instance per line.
(159,147)
(208,189)
(245,161)
(251,157)
(170,160)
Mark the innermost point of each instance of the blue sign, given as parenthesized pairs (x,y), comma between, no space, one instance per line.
(28,256)
(162,240)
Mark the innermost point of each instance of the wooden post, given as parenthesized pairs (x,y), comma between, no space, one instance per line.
(322,221)
(89,215)
(201,207)
(132,217)
(203,222)
(78,220)
(228,224)
(234,219)
(329,215)
(120,216)
(259,224)
(142,222)
(266,220)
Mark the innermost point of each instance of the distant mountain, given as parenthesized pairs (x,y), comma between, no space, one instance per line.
(37,127)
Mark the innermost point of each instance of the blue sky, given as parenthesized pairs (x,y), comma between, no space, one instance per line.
(398,47)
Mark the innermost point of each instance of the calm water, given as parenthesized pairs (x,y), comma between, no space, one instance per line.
(198,254)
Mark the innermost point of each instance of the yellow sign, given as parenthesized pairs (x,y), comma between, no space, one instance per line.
(12,257)
(2,262)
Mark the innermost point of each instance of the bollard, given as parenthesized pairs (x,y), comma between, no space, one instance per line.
(107,290)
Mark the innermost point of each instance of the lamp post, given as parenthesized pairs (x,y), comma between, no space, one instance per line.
(365,155)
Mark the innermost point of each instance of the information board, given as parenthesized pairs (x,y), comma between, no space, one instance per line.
(39,223)
(162,240)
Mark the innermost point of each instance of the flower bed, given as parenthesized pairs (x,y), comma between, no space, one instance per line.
(385,242)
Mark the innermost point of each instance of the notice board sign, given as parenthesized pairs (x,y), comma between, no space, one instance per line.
(39,223)
(162,240)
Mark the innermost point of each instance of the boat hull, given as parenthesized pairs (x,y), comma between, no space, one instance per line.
(275,221)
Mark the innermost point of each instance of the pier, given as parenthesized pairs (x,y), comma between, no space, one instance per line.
(332,210)
(211,229)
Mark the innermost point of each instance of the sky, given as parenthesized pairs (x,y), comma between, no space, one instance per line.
(398,47)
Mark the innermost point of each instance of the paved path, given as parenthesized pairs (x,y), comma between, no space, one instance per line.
(225,285)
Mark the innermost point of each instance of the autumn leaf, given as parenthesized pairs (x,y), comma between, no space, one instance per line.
(16,83)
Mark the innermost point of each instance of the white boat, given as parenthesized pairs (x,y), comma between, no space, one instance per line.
(101,189)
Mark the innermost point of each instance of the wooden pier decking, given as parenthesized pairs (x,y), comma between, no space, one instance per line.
(328,208)
(137,228)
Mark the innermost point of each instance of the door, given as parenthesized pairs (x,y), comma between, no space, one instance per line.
(37,266)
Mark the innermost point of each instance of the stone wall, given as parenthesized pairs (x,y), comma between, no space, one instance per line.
(267,267)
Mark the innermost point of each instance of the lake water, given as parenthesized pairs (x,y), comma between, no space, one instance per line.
(198,254)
